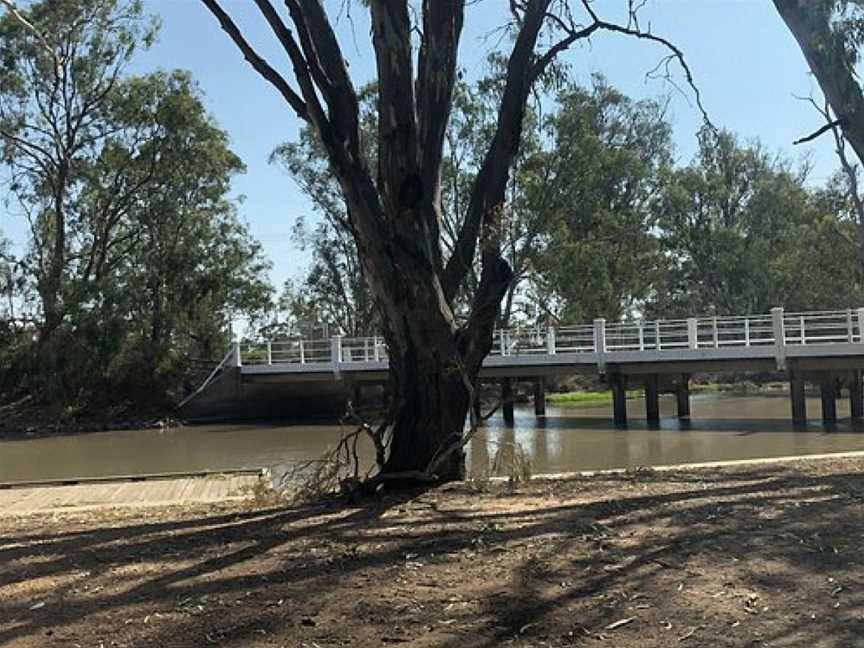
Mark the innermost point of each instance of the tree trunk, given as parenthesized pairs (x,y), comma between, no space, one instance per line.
(50,283)
(395,219)
(432,404)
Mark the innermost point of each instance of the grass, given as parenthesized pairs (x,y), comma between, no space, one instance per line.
(585,398)
(740,388)
(593,398)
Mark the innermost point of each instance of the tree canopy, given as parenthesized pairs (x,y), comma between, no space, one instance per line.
(135,258)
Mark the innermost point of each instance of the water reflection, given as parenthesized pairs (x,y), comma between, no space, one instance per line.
(721,428)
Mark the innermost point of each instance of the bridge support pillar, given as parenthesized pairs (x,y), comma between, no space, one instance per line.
(797,398)
(618,384)
(829,399)
(856,399)
(507,400)
(682,393)
(652,399)
(540,396)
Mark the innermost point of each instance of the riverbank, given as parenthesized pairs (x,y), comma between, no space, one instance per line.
(25,419)
(747,556)
(576,399)
(593,398)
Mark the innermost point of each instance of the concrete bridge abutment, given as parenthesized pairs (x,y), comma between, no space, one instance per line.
(652,399)
(682,396)
(618,385)
(856,398)
(540,396)
(828,392)
(507,400)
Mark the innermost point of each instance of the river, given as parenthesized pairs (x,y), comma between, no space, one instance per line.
(567,439)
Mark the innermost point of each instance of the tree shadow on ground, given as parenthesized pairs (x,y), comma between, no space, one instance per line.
(555,564)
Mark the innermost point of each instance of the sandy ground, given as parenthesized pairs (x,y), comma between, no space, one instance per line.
(750,556)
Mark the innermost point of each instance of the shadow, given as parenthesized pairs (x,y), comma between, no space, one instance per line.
(453,567)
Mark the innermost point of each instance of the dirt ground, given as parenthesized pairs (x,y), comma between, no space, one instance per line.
(753,556)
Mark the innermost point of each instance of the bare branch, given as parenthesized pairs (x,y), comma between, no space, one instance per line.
(323,52)
(825,55)
(632,29)
(303,72)
(851,171)
(261,66)
(830,126)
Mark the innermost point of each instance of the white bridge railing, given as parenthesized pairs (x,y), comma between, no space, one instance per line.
(778,329)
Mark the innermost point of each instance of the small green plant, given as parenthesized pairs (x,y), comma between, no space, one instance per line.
(585,398)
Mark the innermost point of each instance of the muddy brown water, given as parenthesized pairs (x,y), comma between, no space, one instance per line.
(567,439)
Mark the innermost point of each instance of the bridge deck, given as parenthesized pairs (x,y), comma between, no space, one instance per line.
(760,342)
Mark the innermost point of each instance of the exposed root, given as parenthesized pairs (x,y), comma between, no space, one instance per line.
(342,472)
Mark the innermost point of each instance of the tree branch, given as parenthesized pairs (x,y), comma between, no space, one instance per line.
(812,28)
(632,29)
(437,61)
(322,50)
(398,177)
(821,131)
(259,64)
(522,72)
(17,15)
(487,194)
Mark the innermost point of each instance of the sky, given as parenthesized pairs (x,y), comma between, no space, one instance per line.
(745,63)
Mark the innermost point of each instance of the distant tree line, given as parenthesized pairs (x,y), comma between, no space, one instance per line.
(602,221)
(136,263)
(135,260)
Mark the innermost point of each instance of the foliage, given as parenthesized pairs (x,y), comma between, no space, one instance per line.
(600,223)
(742,233)
(588,191)
(136,262)
(578,196)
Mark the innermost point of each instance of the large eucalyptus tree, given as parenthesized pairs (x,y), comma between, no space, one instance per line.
(395,210)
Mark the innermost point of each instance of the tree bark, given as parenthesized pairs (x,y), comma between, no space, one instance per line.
(432,405)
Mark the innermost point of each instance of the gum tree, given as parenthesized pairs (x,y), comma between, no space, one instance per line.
(395,210)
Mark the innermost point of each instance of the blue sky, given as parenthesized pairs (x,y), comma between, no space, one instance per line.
(743,60)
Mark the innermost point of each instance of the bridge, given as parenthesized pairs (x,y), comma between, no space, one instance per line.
(658,356)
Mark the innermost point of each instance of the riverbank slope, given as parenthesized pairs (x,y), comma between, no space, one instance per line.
(26,419)
(747,556)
